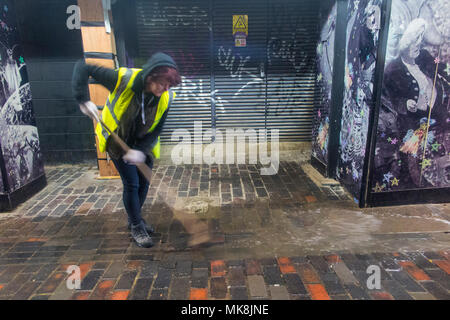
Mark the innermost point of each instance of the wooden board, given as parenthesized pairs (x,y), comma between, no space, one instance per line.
(95,39)
(91,10)
(98,94)
(107,168)
(108,63)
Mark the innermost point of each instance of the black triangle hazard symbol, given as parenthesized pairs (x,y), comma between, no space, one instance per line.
(240,23)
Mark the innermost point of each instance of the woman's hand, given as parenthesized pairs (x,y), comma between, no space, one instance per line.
(90,109)
(134,156)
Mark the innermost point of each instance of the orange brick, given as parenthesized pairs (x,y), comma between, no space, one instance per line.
(308,274)
(334,258)
(119,295)
(36,240)
(133,265)
(198,294)
(84,208)
(310,199)
(382,296)
(80,295)
(445,254)
(218,268)
(444,265)
(85,268)
(414,271)
(1,286)
(285,265)
(103,290)
(318,292)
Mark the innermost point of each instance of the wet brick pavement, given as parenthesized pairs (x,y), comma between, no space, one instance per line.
(79,220)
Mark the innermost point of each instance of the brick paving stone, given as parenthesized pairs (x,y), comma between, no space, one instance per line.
(218,287)
(381,295)
(332,283)
(126,280)
(114,270)
(256,286)
(317,291)
(119,295)
(344,274)
(444,265)
(238,293)
(103,290)
(440,277)
(180,287)
(294,284)
(236,276)
(279,293)
(218,268)
(422,296)
(163,278)
(420,261)
(183,268)
(286,265)
(357,293)
(436,290)
(198,294)
(141,289)
(319,263)
(199,278)
(406,281)
(272,275)
(307,273)
(252,267)
(91,279)
(396,290)
(414,271)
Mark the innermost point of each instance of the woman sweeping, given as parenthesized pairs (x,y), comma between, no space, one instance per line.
(136,110)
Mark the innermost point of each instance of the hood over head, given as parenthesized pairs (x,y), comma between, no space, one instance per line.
(159,59)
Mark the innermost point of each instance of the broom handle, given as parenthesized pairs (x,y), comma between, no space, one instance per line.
(143,168)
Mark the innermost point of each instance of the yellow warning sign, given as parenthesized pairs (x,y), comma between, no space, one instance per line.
(240,24)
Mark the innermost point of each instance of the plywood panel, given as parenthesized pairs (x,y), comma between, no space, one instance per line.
(108,63)
(98,94)
(95,39)
(107,169)
(91,10)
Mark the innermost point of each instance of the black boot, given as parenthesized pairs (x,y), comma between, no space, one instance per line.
(140,235)
(148,228)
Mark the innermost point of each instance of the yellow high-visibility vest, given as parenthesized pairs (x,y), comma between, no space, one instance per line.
(118,102)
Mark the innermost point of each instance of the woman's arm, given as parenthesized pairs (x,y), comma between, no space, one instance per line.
(80,78)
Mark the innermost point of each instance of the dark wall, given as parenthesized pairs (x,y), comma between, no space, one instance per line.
(51,50)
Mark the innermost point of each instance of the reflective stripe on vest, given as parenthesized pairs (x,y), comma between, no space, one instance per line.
(118,102)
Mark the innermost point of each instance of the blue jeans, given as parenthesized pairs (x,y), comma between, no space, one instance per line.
(135,188)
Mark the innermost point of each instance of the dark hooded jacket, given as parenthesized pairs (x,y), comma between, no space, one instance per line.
(131,127)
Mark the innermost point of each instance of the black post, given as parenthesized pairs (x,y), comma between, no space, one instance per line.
(337,90)
(368,168)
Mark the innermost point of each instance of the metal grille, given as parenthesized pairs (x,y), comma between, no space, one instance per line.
(181,29)
(267,84)
(291,70)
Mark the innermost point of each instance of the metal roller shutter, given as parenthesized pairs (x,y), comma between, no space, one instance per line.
(267,84)
(291,71)
(181,29)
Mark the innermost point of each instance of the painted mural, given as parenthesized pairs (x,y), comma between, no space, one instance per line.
(18,133)
(413,133)
(325,58)
(363,24)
